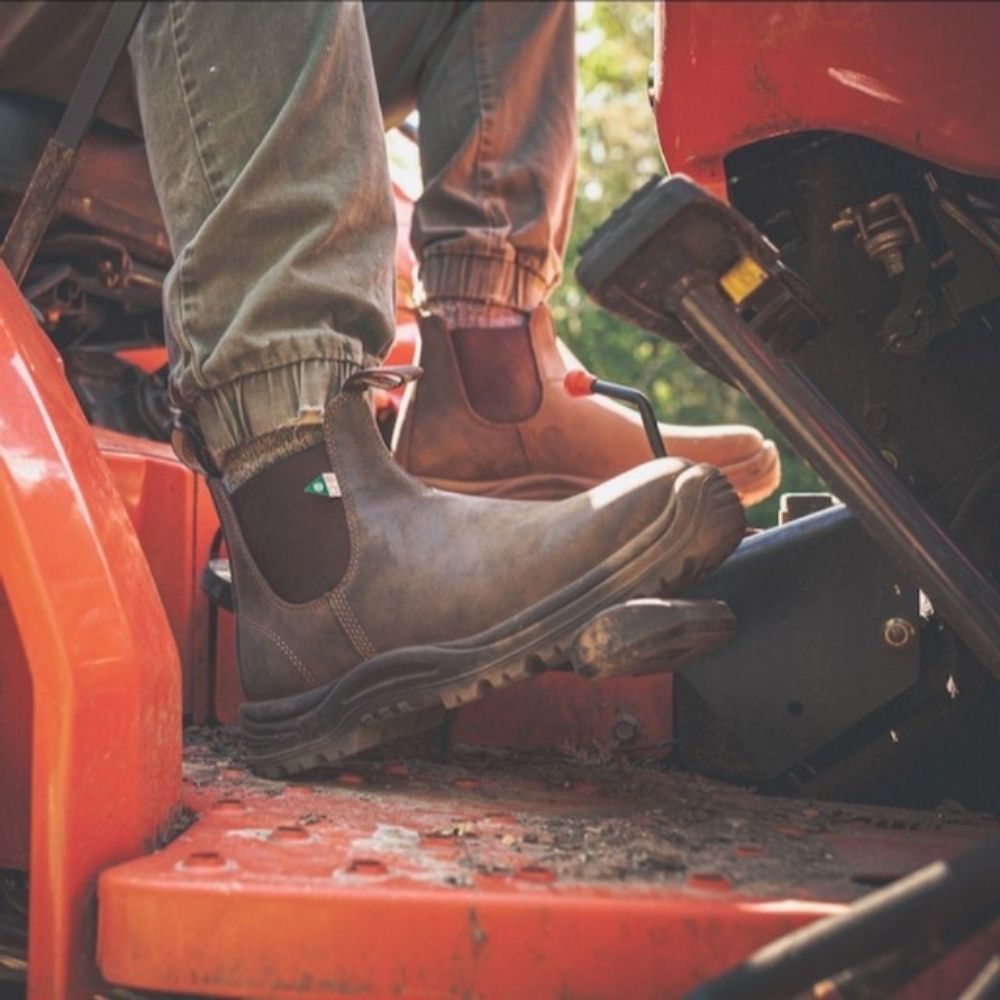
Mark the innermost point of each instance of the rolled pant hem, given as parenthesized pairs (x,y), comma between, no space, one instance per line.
(482,278)
(234,413)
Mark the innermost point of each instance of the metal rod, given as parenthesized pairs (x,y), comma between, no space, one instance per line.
(885,975)
(629,395)
(858,474)
(986,985)
(919,905)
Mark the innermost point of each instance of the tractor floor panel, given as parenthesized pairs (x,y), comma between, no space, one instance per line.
(493,875)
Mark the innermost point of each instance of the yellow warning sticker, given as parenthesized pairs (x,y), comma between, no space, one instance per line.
(743,279)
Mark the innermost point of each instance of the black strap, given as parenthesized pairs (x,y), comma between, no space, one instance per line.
(41,196)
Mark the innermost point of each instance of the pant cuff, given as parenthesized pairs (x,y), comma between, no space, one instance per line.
(235,413)
(482,278)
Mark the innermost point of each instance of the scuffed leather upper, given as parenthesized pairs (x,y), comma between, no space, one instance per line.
(426,566)
(591,438)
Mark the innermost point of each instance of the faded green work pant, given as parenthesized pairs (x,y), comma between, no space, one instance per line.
(263,127)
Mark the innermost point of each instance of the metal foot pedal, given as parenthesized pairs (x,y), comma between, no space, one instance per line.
(649,636)
(675,255)
(669,233)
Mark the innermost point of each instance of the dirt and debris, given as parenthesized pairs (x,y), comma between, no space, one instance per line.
(590,819)
(180,819)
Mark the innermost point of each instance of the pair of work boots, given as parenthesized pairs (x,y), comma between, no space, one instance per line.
(368,599)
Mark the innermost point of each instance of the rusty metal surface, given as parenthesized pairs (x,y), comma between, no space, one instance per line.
(492,875)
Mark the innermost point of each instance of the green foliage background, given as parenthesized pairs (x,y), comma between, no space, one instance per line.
(618,153)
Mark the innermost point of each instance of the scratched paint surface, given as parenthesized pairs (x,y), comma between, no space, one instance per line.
(491,875)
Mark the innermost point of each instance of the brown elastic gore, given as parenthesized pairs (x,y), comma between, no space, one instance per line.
(299,541)
(499,373)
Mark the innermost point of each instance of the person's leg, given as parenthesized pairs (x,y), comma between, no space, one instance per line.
(363,597)
(265,145)
(495,84)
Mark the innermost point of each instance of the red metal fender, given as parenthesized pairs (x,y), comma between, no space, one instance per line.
(104,714)
(922,77)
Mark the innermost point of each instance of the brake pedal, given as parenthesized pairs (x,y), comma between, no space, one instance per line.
(648,636)
(670,233)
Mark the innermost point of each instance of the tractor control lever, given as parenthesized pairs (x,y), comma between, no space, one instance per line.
(579,382)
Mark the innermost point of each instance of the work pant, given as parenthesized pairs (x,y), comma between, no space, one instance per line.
(264,134)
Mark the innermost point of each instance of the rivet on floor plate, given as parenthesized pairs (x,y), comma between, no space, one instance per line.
(436,840)
(626,729)
(290,833)
(367,866)
(467,784)
(205,859)
(709,882)
(228,806)
(790,831)
(503,819)
(535,873)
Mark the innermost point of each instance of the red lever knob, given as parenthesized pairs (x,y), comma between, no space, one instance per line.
(579,382)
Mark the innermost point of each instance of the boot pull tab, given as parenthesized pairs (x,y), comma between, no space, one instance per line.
(189,446)
(387,378)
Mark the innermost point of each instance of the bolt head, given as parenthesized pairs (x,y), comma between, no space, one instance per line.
(898,633)
(626,730)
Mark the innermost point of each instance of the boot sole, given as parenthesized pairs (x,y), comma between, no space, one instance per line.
(754,478)
(403,691)
(648,636)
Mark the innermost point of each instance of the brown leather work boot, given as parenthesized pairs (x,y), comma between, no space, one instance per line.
(451,434)
(421,599)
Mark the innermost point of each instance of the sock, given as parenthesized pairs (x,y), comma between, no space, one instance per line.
(298,540)
(242,463)
(493,348)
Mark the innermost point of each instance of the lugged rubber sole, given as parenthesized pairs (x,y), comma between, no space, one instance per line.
(403,691)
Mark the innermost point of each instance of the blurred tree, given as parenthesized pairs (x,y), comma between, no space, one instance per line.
(618,153)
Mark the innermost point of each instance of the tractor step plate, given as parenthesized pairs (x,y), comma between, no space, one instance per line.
(494,875)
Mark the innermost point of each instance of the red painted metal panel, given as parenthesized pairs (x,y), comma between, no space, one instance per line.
(496,878)
(174,518)
(624,716)
(919,76)
(159,494)
(15,743)
(104,670)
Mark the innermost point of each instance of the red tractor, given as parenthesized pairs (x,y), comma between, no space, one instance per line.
(819,793)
